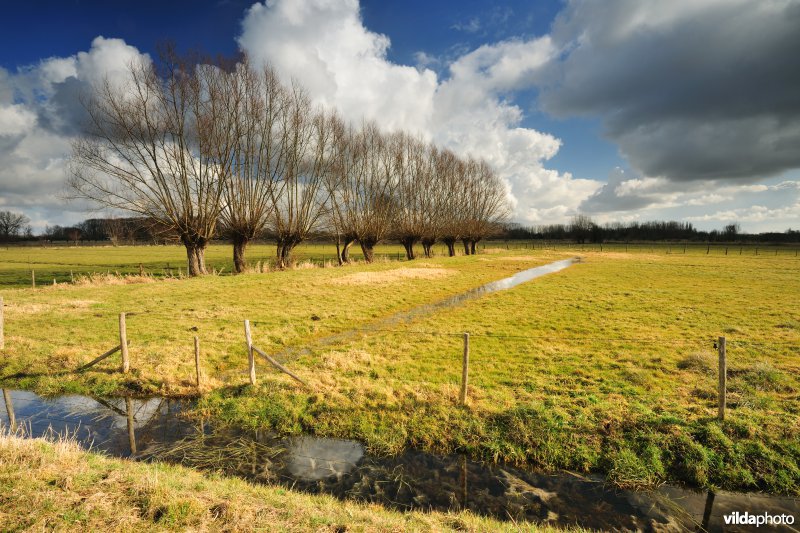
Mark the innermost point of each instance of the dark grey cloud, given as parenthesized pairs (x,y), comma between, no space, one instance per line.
(63,112)
(688,90)
(607,199)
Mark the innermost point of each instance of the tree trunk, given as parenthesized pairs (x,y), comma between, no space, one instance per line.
(473,247)
(195,259)
(346,250)
(427,246)
(368,249)
(200,252)
(408,244)
(239,248)
(285,248)
(339,250)
(466,246)
(451,246)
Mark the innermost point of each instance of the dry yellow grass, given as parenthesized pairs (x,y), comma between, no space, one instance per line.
(392,276)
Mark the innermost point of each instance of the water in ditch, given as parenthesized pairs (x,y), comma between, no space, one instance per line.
(155,429)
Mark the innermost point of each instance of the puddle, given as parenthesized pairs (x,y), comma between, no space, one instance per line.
(154,429)
(423,310)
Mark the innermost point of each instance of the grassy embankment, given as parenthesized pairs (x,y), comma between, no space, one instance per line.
(57,486)
(607,366)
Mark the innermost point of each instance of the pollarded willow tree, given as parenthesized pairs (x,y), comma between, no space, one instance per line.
(257,104)
(486,205)
(299,198)
(147,149)
(437,196)
(456,176)
(413,177)
(361,186)
(346,162)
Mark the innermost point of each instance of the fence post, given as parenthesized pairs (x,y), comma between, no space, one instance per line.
(197,358)
(33,279)
(12,421)
(2,334)
(465,370)
(250,358)
(723,377)
(123,344)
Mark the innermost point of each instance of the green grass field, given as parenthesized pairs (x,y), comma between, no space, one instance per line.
(66,262)
(607,366)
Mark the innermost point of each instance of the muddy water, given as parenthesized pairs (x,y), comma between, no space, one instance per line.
(155,429)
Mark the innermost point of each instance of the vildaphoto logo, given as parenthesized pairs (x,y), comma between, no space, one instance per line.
(746,519)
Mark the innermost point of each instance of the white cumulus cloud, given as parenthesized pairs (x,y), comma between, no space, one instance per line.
(325,45)
(40,110)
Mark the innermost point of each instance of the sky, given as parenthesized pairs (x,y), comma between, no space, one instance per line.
(624,110)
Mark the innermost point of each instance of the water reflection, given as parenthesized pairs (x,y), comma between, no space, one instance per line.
(313,459)
(107,425)
(153,429)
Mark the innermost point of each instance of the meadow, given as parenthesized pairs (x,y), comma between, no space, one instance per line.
(608,366)
(65,263)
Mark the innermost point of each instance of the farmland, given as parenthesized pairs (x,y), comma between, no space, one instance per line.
(607,366)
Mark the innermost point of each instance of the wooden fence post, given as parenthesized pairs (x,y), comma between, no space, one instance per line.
(33,279)
(723,377)
(123,344)
(2,333)
(251,359)
(465,370)
(197,358)
(12,420)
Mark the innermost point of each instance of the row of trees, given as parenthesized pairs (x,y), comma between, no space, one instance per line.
(204,148)
(583,229)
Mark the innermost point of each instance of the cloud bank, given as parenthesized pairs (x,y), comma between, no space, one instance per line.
(688,90)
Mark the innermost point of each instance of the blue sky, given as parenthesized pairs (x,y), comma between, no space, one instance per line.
(622,110)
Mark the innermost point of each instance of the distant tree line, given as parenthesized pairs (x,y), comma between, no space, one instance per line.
(204,149)
(134,230)
(582,229)
(14,226)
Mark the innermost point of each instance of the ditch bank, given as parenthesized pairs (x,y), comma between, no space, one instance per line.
(156,429)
